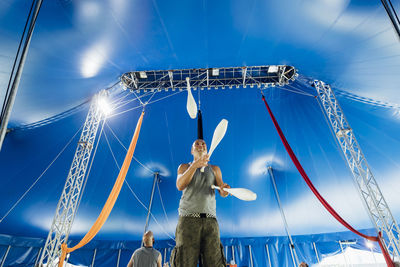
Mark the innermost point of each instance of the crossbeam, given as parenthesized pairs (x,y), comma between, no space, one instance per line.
(274,75)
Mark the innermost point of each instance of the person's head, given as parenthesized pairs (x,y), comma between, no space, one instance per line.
(148,239)
(303,264)
(199,148)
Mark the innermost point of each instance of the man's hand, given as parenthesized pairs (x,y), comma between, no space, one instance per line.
(223,192)
(201,162)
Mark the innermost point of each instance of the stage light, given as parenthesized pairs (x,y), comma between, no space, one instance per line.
(272,69)
(214,72)
(104,106)
(142,75)
(370,244)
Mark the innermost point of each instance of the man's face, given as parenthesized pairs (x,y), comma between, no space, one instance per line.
(199,148)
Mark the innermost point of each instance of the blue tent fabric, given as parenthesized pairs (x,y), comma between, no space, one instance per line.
(81,47)
(25,250)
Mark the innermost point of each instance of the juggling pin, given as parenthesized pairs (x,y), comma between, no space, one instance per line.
(240,193)
(190,103)
(219,133)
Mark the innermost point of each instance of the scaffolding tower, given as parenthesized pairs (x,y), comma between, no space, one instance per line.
(368,188)
(69,200)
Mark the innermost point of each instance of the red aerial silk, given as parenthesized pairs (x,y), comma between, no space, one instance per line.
(296,162)
(112,198)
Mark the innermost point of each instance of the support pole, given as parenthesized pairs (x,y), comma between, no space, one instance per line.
(13,92)
(155,180)
(268,256)
(291,245)
(251,257)
(316,252)
(233,255)
(374,202)
(5,256)
(392,16)
(119,257)
(165,255)
(94,257)
(344,256)
(373,255)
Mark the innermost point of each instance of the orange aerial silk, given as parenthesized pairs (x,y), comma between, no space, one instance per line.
(111,198)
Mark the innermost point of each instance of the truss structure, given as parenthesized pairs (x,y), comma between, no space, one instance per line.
(209,78)
(69,201)
(370,193)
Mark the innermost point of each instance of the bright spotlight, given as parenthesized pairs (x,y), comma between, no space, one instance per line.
(142,75)
(370,244)
(273,69)
(215,72)
(104,106)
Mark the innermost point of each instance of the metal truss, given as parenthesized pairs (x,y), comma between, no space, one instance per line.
(69,200)
(370,193)
(209,78)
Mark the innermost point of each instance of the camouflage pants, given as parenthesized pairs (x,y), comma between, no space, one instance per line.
(195,237)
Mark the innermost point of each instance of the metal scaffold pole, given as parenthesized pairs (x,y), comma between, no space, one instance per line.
(11,95)
(291,245)
(368,188)
(70,196)
(155,180)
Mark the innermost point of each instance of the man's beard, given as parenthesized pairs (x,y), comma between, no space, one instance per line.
(201,153)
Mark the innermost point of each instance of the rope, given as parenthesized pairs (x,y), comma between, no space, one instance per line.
(119,168)
(151,214)
(294,91)
(299,167)
(131,100)
(162,205)
(150,97)
(134,194)
(138,98)
(119,141)
(59,116)
(162,98)
(40,176)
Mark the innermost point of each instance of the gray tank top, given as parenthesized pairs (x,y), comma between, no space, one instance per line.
(198,197)
(145,257)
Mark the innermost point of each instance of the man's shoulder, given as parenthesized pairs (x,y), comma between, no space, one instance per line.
(137,250)
(214,167)
(184,166)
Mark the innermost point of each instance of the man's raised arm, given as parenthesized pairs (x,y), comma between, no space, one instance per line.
(186,172)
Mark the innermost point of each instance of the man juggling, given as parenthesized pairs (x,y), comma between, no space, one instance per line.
(197,232)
